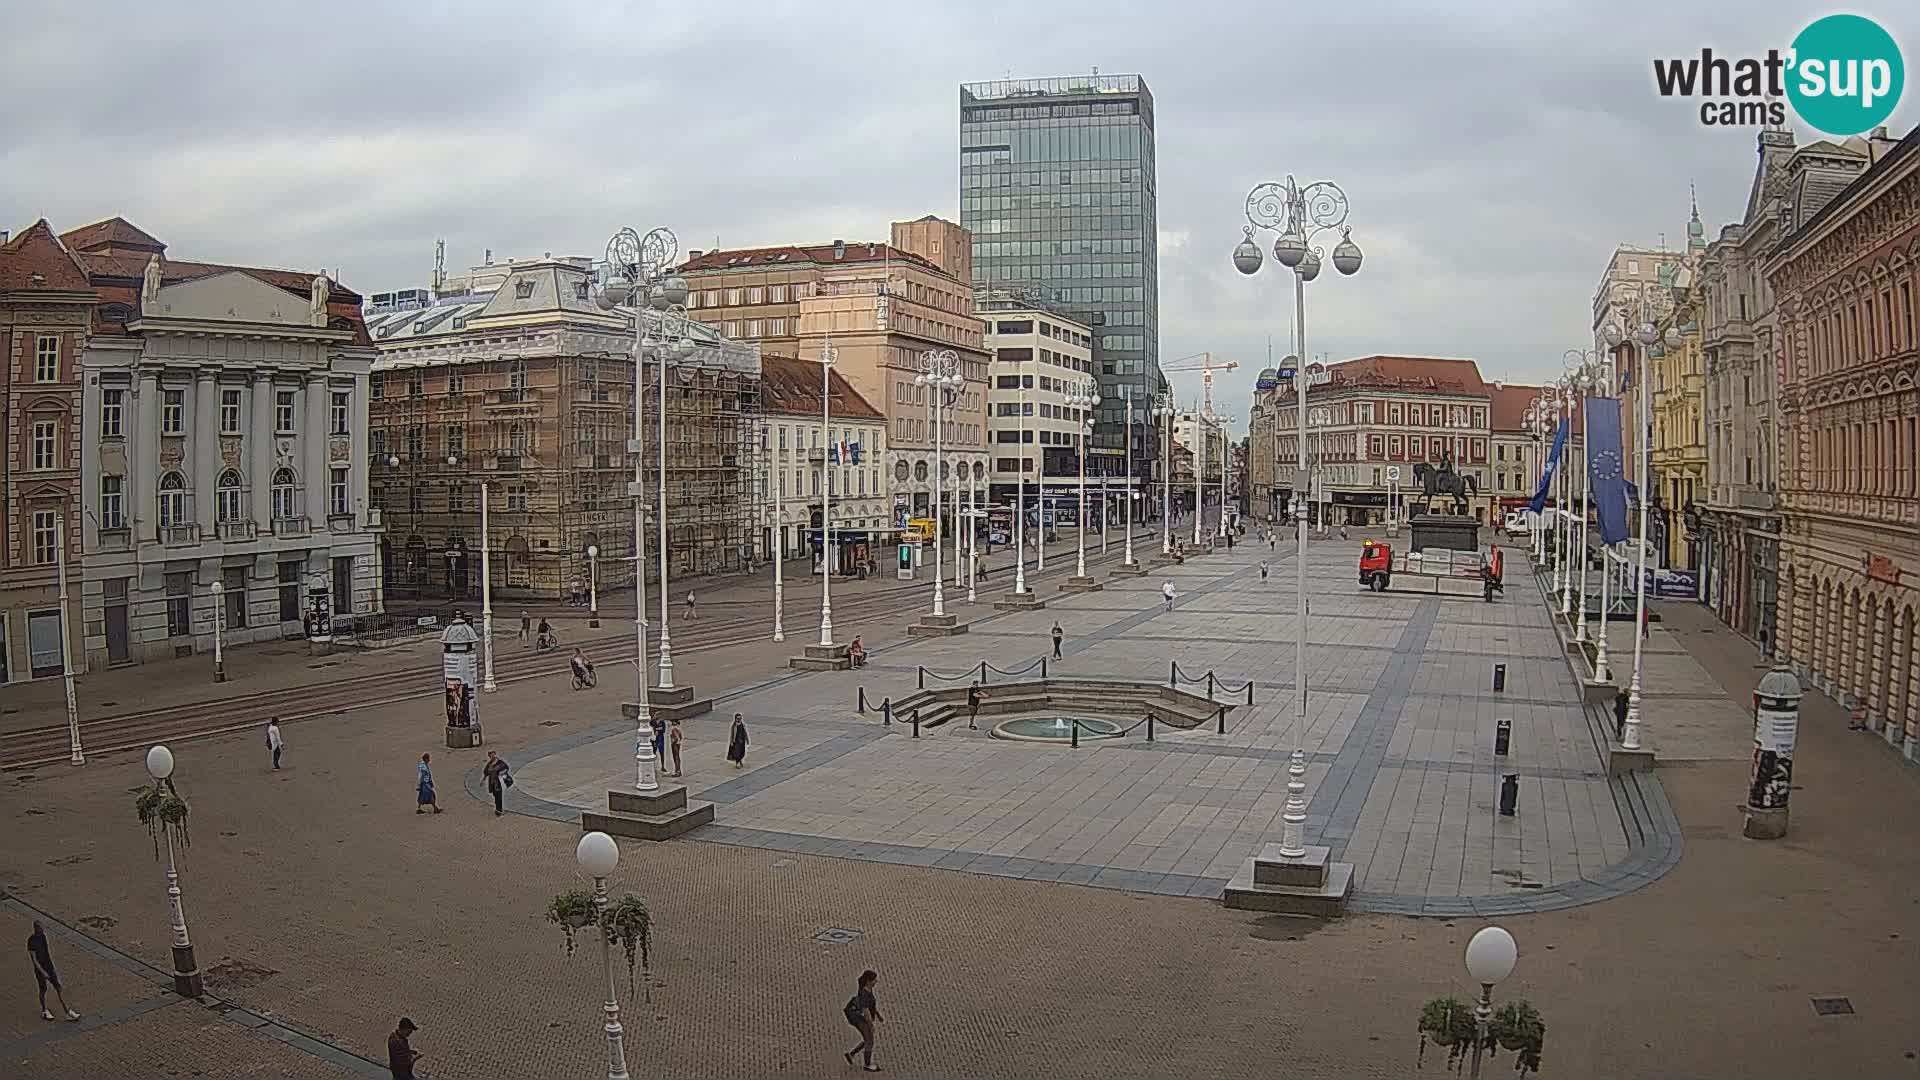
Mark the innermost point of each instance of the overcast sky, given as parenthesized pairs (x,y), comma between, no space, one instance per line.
(1492,159)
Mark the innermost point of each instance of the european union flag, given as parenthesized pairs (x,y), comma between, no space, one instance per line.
(1539,500)
(1605,471)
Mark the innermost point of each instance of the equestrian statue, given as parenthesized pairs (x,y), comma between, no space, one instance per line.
(1440,480)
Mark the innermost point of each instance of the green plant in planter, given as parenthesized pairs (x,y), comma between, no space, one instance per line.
(626,923)
(1517,1026)
(159,807)
(572,910)
(1447,1022)
(1514,1026)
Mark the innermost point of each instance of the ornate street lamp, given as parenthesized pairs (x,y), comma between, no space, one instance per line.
(1082,400)
(1298,215)
(940,375)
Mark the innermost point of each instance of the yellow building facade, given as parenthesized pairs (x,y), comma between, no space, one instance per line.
(1679,396)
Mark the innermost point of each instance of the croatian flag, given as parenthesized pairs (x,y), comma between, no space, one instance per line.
(1539,500)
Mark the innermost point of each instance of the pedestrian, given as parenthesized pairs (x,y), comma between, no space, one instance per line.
(498,780)
(400,1056)
(659,737)
(1620,703)
(737,742)
(427,797)
(45,975)
(863,1012)
(1166,590)
(274,742)
(526,627)
(974,695)
(1646,621)
(690,615)
(1229,540)
(1057,635)
(1273,541)
(1263,569)
(674,735)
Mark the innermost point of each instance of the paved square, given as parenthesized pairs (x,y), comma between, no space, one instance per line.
(1402,775)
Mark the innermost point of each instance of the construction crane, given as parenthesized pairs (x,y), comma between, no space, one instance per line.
(1206,367)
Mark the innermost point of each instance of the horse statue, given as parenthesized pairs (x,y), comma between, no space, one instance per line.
(1441,480)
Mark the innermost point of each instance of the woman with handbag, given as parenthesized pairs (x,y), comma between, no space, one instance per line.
(498,780)
(863,1012)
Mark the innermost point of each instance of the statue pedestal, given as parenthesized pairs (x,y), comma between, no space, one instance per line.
(1444,531)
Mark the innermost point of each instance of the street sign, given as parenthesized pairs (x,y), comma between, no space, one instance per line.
(1393,474)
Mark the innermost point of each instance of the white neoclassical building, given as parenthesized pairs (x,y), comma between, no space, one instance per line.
(226,433)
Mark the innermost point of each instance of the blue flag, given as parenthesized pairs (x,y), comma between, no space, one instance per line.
(1539,500)
(1604,467)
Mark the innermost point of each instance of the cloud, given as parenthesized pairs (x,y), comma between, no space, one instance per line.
(1493,158)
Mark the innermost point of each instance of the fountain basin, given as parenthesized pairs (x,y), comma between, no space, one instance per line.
(1055,729)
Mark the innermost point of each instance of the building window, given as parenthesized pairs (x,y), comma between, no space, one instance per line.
(112,508)
(179,585)
(173,412)
(517,439)
(46,441)
(227,496)
(456,498)
(289,574)
(342,402)
(46,358)
(755,295)
(733,297)
(776,294)
(282,411)
(111,402)
(456,382)
(285,502)
(753,328)
(173,500)
(229,412)
(46,542)
(517,499)
(234,583)
(376,386)
(456,440)
(337,494)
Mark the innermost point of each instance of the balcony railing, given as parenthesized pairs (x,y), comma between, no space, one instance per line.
(291,526)
(116,538)
(175,535)
(236,530)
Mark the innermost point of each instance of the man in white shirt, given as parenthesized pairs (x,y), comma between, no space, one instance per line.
(274,742)
(1167,591)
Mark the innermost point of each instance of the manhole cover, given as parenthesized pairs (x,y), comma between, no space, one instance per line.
(1832,1006)
(839,935)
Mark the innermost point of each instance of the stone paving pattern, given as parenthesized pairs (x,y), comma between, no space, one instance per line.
(357,911)
(1402,775)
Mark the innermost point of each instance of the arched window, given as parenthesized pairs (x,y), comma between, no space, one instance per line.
(227,500)
(173,500)
(285,504)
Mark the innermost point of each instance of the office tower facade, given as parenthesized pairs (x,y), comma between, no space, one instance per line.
(1057,187)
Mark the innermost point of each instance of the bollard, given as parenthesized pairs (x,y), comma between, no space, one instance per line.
(1223,719)
(886,712)
(861,706)
(923,678)
(1209,684)
(1173,673)
(1509,793)
(1502,737)
(1149,727)
(1776,727)
(1249,691)
(1076,732)
(1043,667)
(1499,678)
(916,723)
(983,671)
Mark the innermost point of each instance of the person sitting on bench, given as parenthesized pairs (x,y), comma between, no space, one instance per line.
(857,653)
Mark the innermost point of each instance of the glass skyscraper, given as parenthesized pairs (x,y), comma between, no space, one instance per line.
(1057,186)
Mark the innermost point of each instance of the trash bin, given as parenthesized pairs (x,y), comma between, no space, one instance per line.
(1509,793)
(1499,678)
(1502,737)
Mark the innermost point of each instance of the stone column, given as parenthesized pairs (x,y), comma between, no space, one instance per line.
(1785,622)
(1861,619)
(1822,658)
(260,451)
(1880,674)
(313,438)
(204,466)
(143,450)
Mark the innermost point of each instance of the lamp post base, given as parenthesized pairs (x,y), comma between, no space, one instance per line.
(187,981)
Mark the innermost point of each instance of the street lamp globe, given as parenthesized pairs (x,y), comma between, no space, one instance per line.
(159,762)
(393,461)
(676,289)
(593,551)
(1290,247)
(1645,334)
(1346,254)
(1309,267)
(1246,254)
(657,298)
(1673,336)
(597,854)
(1611,334)
(614,294)
(1491,955)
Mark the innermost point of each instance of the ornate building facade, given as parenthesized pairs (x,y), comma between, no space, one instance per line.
(806,453)
(516,379)
(1845,283)
(225,466)
(46,307)
(1678,393)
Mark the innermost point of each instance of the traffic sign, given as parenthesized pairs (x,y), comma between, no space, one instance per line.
(1393,474)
